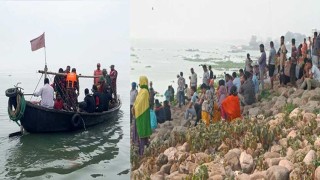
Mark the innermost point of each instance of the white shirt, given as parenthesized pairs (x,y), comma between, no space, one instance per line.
(206,77)
(193,80)
(46,93)
(237,83)
(316,72)
(133,96)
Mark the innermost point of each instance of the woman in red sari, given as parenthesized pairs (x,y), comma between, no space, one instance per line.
(230,107)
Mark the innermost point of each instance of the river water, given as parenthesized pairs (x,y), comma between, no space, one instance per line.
(100,152)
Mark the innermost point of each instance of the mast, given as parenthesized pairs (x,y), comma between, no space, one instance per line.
(45,65)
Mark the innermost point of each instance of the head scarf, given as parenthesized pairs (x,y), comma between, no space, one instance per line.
(142,109)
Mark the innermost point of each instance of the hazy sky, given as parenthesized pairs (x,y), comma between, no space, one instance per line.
(78,33)
(227,19)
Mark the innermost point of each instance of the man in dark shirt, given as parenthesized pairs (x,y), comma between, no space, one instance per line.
(262,65)
(211,72)
(293,63)
(90,102)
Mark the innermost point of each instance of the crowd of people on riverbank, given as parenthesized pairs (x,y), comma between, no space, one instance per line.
(66,88)
(300,69)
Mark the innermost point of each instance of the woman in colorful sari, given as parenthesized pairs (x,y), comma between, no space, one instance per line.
(207,108)
(230,107)
(141,112)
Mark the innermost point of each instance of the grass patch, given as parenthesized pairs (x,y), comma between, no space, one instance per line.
(288,108)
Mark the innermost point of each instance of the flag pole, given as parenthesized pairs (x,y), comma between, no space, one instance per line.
(45,60)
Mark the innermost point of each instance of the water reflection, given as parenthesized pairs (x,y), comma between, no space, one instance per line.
(37,154)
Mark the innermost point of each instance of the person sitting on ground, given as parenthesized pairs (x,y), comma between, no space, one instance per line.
(198,104)
(313,80)
(158,109)
(190,107)
(236,81)
(58,103)
(207,108)
(46,93)
(167,111)
(246,93)
(90,102)
(285,76)
(168,94)
(230,108)
(229,83)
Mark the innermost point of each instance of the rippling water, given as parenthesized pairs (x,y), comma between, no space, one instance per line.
(100,152)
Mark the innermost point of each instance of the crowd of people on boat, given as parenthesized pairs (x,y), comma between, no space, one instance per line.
(299,69)
(63,93)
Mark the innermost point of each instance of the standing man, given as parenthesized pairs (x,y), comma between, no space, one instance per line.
(97,73)
(113,77)
(316,49)
(193,80)
(211,72)
(152,93)
(206,75)
(67,69)
(46,93)
(271,62)
(248,64)
(181,83)
(262,65)
(283,53)
(294,52)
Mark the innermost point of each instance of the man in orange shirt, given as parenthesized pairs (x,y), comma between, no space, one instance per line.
(97,72)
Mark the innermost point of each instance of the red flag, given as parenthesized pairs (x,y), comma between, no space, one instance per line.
(37,43)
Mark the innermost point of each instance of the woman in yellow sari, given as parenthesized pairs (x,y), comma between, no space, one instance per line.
(141,112)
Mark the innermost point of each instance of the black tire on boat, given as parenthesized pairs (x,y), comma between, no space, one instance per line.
(12,92)
(76,120)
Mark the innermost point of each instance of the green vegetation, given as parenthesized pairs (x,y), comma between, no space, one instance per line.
(227,65)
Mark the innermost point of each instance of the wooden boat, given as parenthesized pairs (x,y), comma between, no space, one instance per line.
(37,119)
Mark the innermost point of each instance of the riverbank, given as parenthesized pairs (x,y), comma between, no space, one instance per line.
(276,139)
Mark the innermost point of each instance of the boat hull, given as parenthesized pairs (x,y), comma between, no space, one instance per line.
(37,119)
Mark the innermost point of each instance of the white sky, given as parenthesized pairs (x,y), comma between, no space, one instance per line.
(78,33)
(221,19)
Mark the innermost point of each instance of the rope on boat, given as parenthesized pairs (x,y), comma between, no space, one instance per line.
(36,87)
(84,125)
(16,114)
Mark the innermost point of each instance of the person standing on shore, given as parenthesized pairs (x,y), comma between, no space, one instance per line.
(211,72)
(206,75)
(315,56)
(198,105)
(248,64)
(152,93)
(283,53)
(97,73)
(236,81)
(141,113)
(181,83)
(262,65)
(293,62)
(133,96)
(113,76)
(193,80)
(271,63)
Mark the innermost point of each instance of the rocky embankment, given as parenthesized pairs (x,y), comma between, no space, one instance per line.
(278,139)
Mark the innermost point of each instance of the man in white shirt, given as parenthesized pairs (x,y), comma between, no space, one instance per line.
(193,79)
(181,84)
(313,78)
(47,94)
